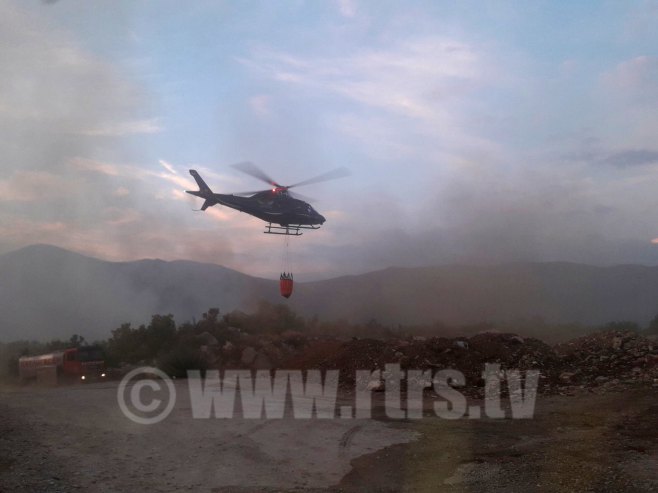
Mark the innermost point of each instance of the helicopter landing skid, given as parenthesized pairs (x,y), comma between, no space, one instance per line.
(290,230)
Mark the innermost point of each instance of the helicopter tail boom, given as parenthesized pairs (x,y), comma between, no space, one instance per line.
(204,191)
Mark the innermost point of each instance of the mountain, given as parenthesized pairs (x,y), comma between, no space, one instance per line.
(556,292)
(47,292)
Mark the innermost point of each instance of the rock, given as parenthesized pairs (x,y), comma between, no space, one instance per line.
(375,385)
(460,344)
(566,376)
(248,355)
(207,339)
(617,343)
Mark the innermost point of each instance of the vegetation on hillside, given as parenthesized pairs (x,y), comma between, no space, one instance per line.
(178,347)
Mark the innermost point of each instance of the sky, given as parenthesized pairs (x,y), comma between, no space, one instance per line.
(475,132)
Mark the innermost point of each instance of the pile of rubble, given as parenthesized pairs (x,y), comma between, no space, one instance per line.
(600,360)
(466,355)
(287,350)
(608,359)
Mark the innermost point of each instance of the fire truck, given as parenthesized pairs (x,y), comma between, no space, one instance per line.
(83,364)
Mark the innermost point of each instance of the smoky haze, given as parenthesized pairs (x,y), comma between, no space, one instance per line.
(465,145)
(51,293)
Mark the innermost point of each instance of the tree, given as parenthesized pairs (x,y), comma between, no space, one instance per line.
(77,341)
(145,343)
(128,345)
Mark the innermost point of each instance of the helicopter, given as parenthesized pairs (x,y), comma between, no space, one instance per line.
(285,212)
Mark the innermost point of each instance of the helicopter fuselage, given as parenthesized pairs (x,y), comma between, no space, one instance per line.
(270,206)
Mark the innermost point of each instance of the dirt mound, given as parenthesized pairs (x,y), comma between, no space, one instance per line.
(609,359)
(602,360)
(468,355)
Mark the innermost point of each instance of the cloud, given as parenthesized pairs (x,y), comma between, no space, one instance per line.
(626,102)
(422,111)
(121,192)
(115,216)
(117,173)
(596,155)
(23,231)
(96,166)
(412,99)
(347,8)
(53,82)
(447,135)
(414,78)
(168,167)
(635,79)
(260,105)
(26,186)
(56,100)
(631,157)
(150,126)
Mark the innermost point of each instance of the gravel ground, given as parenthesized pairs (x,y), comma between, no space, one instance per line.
(69,438)
(76,439)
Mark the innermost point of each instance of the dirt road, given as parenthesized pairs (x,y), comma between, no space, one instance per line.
(66,438)
(77,439)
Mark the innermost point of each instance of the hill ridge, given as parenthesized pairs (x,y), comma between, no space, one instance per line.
(47,292)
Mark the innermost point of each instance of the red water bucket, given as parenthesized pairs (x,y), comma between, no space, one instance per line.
(285,285)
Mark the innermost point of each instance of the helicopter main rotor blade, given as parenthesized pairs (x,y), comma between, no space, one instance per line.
(252,170)
(253,192)
(329,175)
(299,196)
(294,195)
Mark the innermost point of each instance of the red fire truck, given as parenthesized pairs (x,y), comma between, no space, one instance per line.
(84,363)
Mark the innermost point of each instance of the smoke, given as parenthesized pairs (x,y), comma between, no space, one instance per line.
(516,176)
(460,150)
